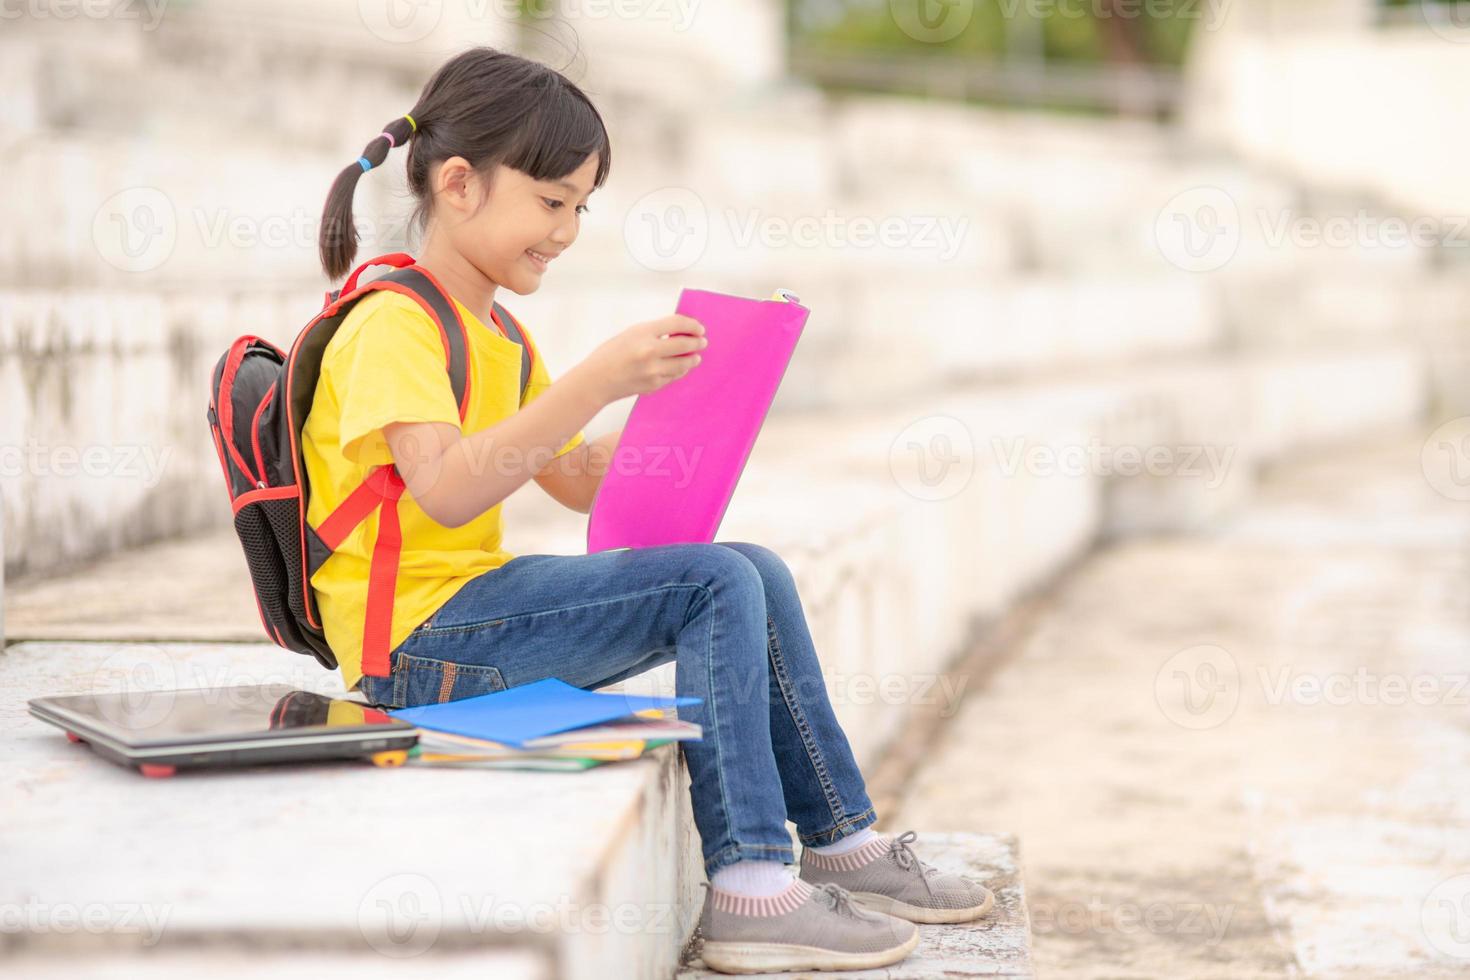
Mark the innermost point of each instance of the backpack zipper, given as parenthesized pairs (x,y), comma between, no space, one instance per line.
(260,484)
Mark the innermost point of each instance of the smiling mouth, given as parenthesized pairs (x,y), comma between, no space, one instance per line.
(538,259)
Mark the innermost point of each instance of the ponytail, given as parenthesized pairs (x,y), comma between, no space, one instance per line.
(337,241)
(490,107)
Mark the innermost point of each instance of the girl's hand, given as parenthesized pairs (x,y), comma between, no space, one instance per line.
(646,356)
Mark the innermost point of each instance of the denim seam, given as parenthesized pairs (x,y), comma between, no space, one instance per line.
(472,627)
(820,840)
(400,681)
(743,851)
(709,670)
(803,728)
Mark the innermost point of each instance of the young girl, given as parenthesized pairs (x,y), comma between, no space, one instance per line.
(503,154)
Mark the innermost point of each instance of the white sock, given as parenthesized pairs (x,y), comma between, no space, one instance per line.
(753,879)
(849,843)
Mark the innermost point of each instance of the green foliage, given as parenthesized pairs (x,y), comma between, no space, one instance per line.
(1068,30)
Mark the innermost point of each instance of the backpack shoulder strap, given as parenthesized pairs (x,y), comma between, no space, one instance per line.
(384,486)
(424,289)
(512,328)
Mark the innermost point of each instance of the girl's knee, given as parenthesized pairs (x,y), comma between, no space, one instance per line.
(727,566)
(772,567)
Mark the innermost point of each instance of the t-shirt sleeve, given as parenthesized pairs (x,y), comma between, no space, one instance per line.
(390,370)
(537,384)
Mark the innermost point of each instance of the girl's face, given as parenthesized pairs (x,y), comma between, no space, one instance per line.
(513,226)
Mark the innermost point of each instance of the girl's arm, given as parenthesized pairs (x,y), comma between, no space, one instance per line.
(456,477)
(572,480)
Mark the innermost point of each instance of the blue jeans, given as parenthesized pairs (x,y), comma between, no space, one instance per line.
(727,614)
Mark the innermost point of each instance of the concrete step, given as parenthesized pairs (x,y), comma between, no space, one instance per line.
(950,511)
(521,874)
(542,874)
(997,945)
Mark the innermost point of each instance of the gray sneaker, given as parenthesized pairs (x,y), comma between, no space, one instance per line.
(806,927)
(885,875)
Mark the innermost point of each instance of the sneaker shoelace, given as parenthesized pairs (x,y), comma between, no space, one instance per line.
(841,899)
(900,852)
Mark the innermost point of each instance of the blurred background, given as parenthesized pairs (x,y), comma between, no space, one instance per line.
(1132,396)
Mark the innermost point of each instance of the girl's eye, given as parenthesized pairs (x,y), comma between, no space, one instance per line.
(553,203)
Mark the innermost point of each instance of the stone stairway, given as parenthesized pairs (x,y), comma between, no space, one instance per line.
(945,402)
(895,582)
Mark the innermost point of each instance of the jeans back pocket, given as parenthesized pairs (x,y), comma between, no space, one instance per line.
(425,680)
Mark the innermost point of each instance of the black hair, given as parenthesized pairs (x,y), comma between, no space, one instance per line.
(490,107)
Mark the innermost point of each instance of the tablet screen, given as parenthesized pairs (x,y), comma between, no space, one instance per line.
(142,718)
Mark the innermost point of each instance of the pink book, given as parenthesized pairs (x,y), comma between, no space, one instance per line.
(686,444)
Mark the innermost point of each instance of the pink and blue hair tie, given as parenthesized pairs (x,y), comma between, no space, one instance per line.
(365,163)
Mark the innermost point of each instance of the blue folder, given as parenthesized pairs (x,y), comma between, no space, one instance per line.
(518,714)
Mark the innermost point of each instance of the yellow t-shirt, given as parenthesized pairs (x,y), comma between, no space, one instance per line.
(386,364)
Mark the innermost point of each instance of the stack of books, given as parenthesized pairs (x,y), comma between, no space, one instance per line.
(548,724)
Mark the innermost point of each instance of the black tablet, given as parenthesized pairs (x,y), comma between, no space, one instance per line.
(159,732)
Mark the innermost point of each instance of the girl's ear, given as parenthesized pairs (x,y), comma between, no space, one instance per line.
(455,183)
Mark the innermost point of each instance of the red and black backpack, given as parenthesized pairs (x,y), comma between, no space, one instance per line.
(259,400)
